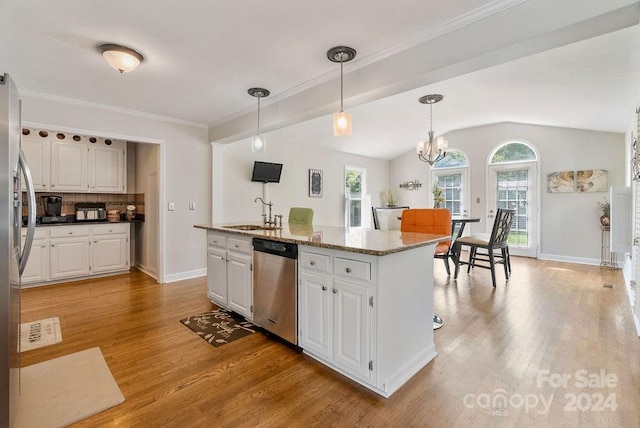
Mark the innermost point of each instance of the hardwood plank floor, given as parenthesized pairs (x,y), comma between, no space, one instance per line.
(495,343)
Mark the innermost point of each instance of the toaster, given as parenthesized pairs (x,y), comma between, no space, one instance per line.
(91,211)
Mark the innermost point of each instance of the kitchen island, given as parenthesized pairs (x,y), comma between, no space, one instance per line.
(364,297)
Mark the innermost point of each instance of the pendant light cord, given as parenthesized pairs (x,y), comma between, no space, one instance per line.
(341,84)
(258,116)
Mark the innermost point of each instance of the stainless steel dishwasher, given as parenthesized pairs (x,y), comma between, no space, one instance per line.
(275,277)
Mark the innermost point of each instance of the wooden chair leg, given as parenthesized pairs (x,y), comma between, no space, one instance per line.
(472,257)
(505,262)
(493,268)
(446,265)
(456,259)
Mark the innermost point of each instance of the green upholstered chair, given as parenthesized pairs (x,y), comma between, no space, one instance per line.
(299,215)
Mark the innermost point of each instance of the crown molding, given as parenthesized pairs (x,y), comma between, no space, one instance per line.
(72,101)
(456,23)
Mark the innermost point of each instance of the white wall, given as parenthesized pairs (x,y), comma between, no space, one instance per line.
(186,156)
(239,192)
(569,222)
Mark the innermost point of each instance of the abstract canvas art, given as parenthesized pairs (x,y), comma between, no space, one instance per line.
(561,182)
(315,183)
(592,180)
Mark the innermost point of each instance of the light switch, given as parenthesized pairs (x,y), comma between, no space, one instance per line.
(172,206)
(192,205)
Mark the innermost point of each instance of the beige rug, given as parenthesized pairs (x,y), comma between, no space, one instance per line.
(39,333)
(67,389)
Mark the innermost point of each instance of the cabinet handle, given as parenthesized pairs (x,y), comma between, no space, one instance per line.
(95,242)
(324,288)
(237,246)
(335,291)
(312,263)
(70,233)
(215,242)
(53,185)
(53,245)
(348,270)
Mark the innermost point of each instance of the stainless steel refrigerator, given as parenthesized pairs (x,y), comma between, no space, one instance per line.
(13,253)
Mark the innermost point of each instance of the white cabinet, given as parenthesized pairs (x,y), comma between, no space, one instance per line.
(69,254)
(217,275)
(66,252)
(314,314)
(335,303)
(88,165)
(240,283)
(229,272)
(107,169)
(69,167)
(37,268)
(37,151)
(109,248)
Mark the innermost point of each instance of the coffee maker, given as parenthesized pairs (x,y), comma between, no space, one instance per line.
(53,209)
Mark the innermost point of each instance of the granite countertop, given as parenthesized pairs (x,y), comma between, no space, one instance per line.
(365,241)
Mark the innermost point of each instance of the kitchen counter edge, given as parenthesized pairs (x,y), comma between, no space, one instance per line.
(421,239)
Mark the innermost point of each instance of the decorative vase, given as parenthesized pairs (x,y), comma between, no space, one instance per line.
(604,220)
(436,205)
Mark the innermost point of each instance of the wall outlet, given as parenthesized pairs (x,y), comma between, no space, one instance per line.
(172,206)
(192,205)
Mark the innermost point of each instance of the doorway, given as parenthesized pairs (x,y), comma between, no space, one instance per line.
(354,179)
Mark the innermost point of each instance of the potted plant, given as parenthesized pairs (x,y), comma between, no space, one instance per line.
(438,197)
(389,198)
(605,208)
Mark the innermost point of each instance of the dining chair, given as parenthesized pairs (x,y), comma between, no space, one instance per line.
(387,218)
(430,220)
(498,240)
(300,215)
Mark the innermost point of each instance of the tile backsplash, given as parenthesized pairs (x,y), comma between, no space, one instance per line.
(113,201)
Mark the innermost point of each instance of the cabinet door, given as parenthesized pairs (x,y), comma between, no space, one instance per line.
(314,313)
(352,328)
(107,169)
(37,152)
(109,253)
(217,276)
(69,257)
(37,268)
(69,162)
(240,283)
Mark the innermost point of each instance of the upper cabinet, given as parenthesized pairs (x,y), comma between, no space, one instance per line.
(72,163)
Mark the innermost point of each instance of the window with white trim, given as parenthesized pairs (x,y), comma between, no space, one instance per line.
(451,175)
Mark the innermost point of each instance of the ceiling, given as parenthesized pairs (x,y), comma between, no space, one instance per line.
(494,61)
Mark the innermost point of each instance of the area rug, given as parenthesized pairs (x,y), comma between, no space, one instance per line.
(219,327)
(40,333)
(65,390)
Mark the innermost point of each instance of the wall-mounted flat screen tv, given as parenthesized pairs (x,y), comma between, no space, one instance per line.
(266,172)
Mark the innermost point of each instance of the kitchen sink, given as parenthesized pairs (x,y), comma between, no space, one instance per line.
(246,227)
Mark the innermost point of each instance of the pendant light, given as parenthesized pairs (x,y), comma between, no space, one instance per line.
(258,142)
(341,120)
(121,58)
(435,150)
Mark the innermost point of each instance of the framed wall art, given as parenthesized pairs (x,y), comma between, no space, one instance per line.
(592,180)
(561,182)
(315,183)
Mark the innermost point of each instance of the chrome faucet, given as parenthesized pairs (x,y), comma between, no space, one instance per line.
(271,223)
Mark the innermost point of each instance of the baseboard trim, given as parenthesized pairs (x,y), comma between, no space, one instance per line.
(568,259)
(185,275)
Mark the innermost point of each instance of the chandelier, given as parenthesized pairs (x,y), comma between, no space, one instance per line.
(435,149)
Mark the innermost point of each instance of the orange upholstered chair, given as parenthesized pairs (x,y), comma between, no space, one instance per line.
(430,220)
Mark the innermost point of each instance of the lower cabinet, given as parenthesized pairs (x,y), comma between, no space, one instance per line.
(76,251)
(335,313)
(230,272)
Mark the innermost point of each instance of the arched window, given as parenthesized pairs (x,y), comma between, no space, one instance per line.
(450,174)
(513,184)
(514,151)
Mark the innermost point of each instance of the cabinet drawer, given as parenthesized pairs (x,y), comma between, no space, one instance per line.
(110,229)
(67,231)
(352,268)
(318,262)
(216,240)
(240,245)
(38,234)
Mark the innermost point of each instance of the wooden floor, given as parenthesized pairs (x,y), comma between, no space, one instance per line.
(496,345)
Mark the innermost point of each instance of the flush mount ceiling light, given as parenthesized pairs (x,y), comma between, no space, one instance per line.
(341,120)
(121,58)
(258,142)
(435,150)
